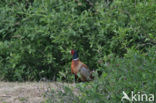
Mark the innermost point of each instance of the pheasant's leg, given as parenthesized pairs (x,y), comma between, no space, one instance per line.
(76,77)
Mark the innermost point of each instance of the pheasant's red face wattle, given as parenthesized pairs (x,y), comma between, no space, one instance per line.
(72,52)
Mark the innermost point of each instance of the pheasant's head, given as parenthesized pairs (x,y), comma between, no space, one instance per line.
(74,53)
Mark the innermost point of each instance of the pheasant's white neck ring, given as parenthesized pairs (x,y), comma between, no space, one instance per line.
(76,59)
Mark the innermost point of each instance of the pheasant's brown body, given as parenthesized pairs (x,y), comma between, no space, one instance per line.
(76,65)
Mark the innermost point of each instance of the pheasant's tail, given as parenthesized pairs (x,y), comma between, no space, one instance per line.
(91,76)
(86,74)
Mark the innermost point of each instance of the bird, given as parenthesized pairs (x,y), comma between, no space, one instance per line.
(79,67)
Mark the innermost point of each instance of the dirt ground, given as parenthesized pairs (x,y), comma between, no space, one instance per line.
(27,92)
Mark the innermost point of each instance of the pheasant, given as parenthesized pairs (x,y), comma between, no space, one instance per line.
(79,67)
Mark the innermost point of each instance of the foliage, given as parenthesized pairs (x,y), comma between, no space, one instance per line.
(135,72)
(36,35)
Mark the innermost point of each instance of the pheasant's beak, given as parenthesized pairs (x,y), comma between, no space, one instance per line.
(69,51)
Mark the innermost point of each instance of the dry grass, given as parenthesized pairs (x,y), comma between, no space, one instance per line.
(27,92)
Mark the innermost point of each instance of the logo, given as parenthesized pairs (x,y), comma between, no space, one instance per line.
(138,97)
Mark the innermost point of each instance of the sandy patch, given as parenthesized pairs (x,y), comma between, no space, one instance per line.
(28,92)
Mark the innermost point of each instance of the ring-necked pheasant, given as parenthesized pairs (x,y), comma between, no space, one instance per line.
(78,67)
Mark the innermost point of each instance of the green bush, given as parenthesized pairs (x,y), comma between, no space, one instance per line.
(135,72)
(36,35)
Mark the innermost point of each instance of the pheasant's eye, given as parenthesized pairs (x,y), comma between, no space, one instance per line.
(72,52)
